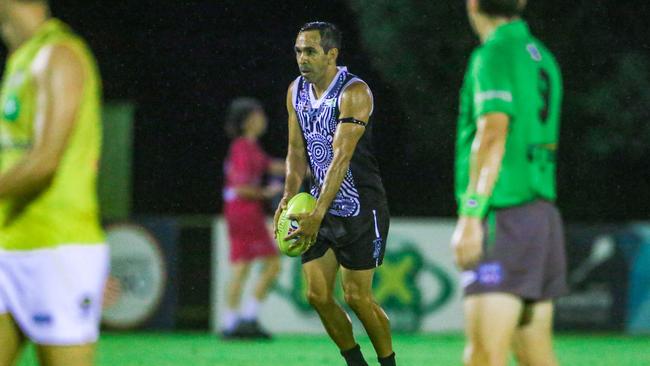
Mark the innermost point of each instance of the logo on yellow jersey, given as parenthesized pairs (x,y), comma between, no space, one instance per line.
(11,105)
(11,108)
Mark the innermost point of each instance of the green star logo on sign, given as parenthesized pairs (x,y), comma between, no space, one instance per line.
(395,279)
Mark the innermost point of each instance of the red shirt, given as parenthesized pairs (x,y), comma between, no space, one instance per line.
(246,164)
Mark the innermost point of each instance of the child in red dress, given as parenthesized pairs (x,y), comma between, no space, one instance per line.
(244,199)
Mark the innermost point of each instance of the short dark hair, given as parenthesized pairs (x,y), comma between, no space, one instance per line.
(238,112)
(502,8)
(330,35)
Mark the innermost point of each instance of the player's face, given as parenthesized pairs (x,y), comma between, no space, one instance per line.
(312,59)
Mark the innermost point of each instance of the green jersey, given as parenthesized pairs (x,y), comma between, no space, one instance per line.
(513,73)
(66,211)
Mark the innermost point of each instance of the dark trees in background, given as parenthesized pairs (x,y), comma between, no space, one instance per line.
(421,49)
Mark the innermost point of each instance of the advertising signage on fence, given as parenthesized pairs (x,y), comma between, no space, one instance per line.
(417,285)
(609,277)
(143,273)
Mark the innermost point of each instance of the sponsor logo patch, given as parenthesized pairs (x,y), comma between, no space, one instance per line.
(86,305)
(534,52)
(330,102)
(377,243)
(490,274)
(11,108)
(42,319)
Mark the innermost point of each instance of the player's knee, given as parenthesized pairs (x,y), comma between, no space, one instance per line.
(319,299)
(273,266)
(358,301)
(236,284)
(521,357)
(528,359)
(495,356)
(239,275)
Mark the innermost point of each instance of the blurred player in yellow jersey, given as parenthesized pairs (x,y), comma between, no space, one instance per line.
(53,260)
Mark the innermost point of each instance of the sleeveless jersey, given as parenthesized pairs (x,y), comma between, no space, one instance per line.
(66,211)
(318,119)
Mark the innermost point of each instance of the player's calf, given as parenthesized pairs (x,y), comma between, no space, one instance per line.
(357,288)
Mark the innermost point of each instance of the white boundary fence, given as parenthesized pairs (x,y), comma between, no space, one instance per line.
(418,285)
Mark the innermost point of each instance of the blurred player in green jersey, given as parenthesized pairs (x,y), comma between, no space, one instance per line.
(53,260)
(509,238)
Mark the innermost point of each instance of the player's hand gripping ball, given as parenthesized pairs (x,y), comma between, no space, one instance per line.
(299,204)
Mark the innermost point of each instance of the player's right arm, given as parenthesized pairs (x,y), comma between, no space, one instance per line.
(487,154)
(296,162)
(493,107)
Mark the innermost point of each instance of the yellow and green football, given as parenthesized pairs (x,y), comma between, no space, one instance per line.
(299,204)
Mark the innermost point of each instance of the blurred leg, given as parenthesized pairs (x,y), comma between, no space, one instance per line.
(82,355)
(472,355)
(112,292)
(321,275)
(235,287)
(250,309)
(533,342)
(239,273)
(492,319)
(357,286)
(11,340)
(270,271)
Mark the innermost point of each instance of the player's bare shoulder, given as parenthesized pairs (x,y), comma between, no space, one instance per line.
(290,92)
(357,100)
(291,86)
(58,57)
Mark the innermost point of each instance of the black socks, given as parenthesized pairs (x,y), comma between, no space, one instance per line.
(388,360)
(354,357)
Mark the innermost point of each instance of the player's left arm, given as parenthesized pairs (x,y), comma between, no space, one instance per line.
(488,149)
(356,103)
(59,76)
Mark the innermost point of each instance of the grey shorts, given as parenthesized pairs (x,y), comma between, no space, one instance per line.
(524,254)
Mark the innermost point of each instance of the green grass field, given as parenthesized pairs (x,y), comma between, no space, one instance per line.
(199,349)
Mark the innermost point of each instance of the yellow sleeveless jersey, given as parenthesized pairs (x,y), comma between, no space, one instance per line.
(66,211)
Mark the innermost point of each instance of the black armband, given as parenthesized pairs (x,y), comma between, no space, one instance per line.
(353,120)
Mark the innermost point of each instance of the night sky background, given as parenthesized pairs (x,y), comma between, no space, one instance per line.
(182,62)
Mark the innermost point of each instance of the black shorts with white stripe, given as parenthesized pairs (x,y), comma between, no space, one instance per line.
(359,242)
